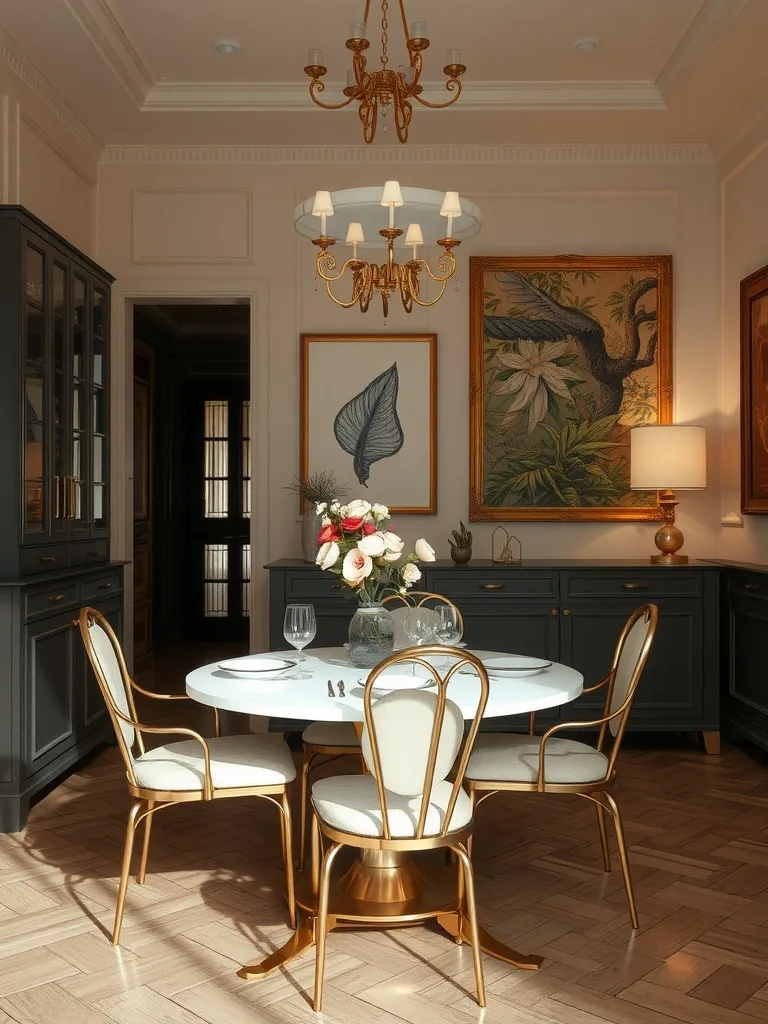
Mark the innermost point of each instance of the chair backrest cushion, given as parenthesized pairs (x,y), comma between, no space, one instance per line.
(403,723)
(105,656)
(628,660)
(399,614)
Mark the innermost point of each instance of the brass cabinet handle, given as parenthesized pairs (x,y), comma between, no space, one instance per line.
(751,586)
(93,554)
(73,498)
(56,514)
(56,597)
(48,558)
(635,586)
(553,612)
(104,586)
(491,586)
(566,611)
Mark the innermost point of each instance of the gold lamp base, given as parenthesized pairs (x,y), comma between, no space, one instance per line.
(668,538)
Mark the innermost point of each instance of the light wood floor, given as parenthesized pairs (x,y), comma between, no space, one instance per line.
(698,828)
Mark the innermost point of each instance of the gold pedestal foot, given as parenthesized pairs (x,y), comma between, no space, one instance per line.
(301,940)
(451,924)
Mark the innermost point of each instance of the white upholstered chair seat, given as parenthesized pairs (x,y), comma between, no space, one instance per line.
(350,803)
(502,757)
(236,762)
(331,734)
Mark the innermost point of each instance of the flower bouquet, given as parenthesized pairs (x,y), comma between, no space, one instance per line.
(358,546)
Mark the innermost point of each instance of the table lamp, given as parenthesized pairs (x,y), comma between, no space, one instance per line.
(668,459)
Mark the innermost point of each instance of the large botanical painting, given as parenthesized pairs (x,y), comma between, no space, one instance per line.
(754,392)
(567,354)
(369,415)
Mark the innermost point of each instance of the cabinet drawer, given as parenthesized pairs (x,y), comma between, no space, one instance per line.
(44,558)
(89,552)
(492,583)
(750,585)
(101,587)
(308,586)
(53,599)
(643,584)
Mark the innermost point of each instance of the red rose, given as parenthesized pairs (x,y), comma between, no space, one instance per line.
(328,533)
(351,523)
(368,528)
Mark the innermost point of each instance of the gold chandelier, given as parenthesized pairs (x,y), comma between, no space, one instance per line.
(385,88)
(390,277)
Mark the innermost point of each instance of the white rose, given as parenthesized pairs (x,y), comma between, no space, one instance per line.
(335,506)
(411,573)
(320,507)
(357,509)
(423,551)
(373,545)
(380,511)
(393,542)
(356,567)
(328,555)
(391,556)
(326,521)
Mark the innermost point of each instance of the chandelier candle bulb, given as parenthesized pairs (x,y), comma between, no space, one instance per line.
(454,55)
(418,30)
(315,58)
(357,30)
(451,208)
(414,237)
(355,235)
(322,208)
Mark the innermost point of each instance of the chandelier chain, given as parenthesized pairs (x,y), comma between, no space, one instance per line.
(384,27)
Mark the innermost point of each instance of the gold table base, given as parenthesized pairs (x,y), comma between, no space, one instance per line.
(382,889)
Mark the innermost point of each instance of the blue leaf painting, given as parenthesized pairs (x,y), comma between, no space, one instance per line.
(368,427)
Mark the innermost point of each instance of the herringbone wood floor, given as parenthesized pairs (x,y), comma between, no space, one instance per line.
(698,828)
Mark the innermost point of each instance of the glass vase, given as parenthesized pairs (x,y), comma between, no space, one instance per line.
(371,636)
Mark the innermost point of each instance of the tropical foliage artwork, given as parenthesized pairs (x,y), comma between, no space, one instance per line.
(568,353)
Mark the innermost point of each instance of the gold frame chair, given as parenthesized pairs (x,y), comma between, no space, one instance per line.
(594,791)
(149,801)
(333,751)
(456,841)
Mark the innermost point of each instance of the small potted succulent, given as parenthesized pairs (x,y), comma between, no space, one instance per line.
(461,544)
(318,488)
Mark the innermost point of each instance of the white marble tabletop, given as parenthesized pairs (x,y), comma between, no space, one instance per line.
(307,699)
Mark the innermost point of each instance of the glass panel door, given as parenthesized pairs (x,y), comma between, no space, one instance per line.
(98,384)
(60,386)
(76,487)
(35,391)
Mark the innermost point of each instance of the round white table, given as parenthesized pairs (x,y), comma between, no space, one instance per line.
(419,893)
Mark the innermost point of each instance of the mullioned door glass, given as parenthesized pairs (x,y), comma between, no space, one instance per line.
(76,487)
(99,412)
(59,482)
(35,390)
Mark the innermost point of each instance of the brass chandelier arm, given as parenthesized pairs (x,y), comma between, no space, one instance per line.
(362,280)
(316,86)
(452,85)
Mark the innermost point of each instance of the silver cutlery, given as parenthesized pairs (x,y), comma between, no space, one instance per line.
(331,692)
(341,687)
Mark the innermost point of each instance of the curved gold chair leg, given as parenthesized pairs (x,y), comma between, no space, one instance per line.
(623,856)
(306,763)
(287,831)
(141,876)
(474,932)
(460,899)
(127,851)
(603,835)
(316,853)
(321,924)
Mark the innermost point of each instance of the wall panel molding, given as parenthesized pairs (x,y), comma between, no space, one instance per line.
(210,226)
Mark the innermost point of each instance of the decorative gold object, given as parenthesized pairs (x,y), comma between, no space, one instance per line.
(385,88)
(501,551)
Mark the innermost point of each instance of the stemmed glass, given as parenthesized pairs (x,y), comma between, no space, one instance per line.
(448,628)
(420,626)
(299,629)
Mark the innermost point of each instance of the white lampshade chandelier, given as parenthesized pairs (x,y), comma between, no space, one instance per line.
(356,213)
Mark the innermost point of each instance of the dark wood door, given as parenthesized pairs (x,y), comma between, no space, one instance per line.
(217,500)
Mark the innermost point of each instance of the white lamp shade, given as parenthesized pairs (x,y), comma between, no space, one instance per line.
(355,233)
(668,457)
(391,196)
(413,235)
(451,205)
(322,204)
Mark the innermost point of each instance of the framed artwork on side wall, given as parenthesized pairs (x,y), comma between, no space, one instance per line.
(567,354)
(369,415)
(754,392)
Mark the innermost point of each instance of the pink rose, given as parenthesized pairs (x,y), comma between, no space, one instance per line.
(356,567)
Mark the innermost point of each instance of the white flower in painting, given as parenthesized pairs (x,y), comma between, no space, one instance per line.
(380,511)
(357,509)
(536,375)
(423,551)
(356,567)
(328,555)
(373,545)
(411,573)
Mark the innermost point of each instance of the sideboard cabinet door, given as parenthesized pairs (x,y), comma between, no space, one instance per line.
(50,689)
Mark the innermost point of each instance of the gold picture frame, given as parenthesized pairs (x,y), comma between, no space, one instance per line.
(346,378)
(554,341)
(754,393)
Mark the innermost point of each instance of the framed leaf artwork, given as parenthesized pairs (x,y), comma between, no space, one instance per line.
(754,393)
(567,354)
(369,415)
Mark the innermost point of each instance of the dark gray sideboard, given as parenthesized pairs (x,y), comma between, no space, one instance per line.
(568,610)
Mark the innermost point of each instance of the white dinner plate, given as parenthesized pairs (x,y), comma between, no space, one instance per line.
(389,683)
(459,643)
(512,666)
(253,666)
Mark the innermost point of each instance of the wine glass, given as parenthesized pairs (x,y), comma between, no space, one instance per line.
(420,626)
(299,629)
(448,627)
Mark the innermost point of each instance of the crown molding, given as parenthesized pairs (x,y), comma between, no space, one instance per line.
(475,96)
(754,111)
(709,26)
(680,154)
(14,58)
(106,35)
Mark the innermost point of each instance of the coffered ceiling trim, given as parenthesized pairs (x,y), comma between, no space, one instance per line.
(682,153)
(106,35)
(707,28)
(476,96)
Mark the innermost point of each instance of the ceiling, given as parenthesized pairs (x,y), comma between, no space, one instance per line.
(147,71)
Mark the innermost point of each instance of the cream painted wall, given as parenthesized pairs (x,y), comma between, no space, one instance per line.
(744,194)
(233,223)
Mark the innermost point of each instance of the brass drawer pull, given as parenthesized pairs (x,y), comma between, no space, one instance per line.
(566,611)
(93,554)
(104,586)
(751,586)
(48,558)
(635,586)
(491,586)
(553,612)
(56,597)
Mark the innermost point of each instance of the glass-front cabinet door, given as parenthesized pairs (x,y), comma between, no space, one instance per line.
(36,418)
(60,401)
(97,378)
(78,439)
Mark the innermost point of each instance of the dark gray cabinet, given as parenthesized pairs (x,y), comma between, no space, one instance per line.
(568,611)
(745,680)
